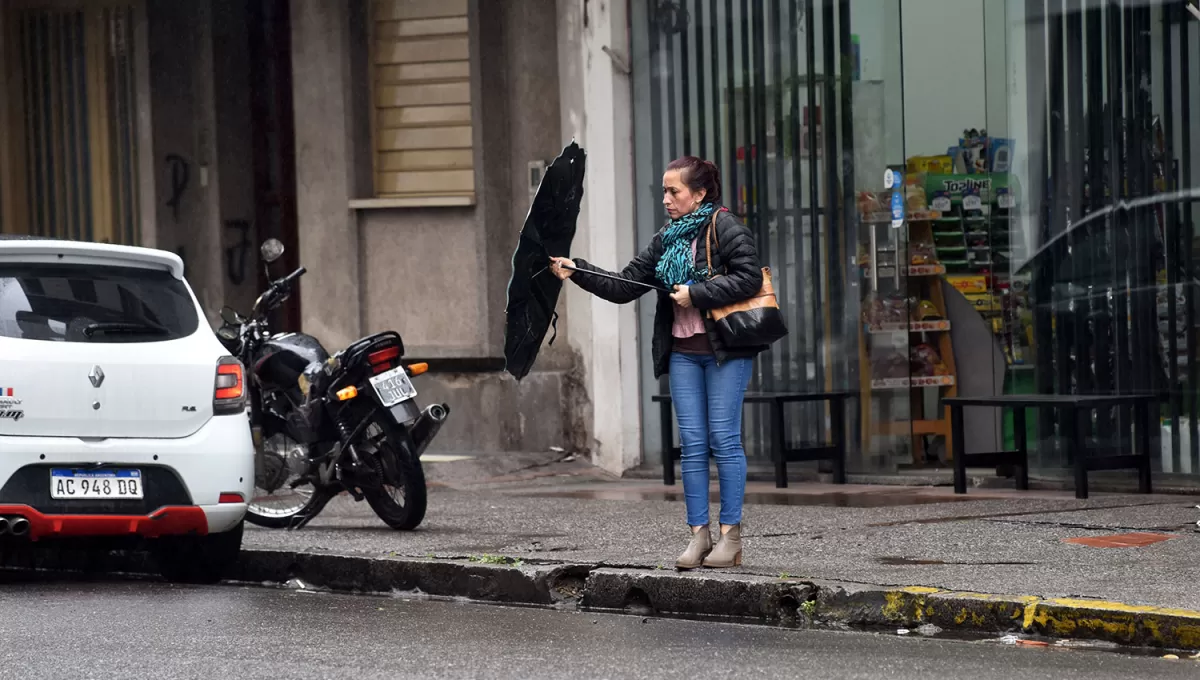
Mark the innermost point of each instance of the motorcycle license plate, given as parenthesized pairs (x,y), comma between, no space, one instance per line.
(393,387)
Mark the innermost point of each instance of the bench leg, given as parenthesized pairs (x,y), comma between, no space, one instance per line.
(837,420)
(778,445)
(668,445)
(958,442)
(1075,449)
(1021,438)
(1143,445)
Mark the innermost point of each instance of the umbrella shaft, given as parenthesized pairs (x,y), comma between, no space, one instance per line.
(617,278)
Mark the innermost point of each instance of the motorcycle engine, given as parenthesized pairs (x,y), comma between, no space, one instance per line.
(282,458)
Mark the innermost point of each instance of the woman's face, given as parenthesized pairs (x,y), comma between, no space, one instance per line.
(678,199)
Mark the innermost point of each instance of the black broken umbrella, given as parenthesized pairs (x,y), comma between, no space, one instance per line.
(533,289)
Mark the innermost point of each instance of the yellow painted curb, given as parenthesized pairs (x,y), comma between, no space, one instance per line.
(1055,617)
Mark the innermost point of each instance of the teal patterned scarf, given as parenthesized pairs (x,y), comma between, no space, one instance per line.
(677,264)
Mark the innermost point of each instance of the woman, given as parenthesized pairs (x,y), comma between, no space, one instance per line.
(708,380)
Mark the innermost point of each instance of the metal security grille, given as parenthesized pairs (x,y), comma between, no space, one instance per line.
(762,88)
(1114,271)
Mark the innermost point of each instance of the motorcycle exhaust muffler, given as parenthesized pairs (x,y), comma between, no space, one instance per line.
(19,526)
(427,425)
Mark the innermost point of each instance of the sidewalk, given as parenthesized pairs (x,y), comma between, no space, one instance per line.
(878,555)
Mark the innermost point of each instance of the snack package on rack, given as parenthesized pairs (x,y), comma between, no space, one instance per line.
(915,200)
(926,362)
(871,203)
(941,165)
(971,154)
(880,310)
(972,203)
(935,165)
(894,309)
(922,252)
(914,193)
(1000,154)
(924,310)
(872,309)
(890,365)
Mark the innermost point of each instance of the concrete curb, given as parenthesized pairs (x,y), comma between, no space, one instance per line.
(741,597)
(754,599)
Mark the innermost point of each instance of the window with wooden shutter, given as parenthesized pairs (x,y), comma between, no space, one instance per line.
(68,162)
(424,151)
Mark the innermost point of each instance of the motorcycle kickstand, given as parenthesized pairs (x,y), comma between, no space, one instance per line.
(300,519)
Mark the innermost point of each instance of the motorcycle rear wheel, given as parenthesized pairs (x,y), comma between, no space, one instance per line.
(401,500)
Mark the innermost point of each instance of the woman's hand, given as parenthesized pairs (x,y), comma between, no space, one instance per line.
(682,297)
(557,264)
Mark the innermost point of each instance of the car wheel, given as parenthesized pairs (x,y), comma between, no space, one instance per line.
(198,559)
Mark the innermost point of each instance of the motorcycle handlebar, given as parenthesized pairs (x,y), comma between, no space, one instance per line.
(276,293)
(293,276)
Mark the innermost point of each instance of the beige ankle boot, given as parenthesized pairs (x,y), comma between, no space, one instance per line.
(699,547)
(728,552)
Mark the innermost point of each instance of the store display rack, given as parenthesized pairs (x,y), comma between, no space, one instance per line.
(889,358)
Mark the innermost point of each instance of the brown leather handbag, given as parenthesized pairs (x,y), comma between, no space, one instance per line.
(754,322)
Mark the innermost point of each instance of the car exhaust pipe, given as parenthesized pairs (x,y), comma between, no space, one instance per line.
(4,526)
(427,425)
(19,526)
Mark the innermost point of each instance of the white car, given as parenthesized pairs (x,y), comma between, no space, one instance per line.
(120,412)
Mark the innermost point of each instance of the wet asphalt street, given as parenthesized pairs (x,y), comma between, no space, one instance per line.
(150,630)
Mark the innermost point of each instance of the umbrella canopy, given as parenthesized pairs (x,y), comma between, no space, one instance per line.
(533,289)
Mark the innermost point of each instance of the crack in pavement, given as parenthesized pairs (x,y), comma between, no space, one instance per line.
(1025,513)
(1091,527)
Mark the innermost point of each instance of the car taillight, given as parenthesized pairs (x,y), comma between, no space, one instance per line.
(383,360)
(229,392)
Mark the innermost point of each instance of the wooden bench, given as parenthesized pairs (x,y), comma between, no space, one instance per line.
(1073,407)
(781,455)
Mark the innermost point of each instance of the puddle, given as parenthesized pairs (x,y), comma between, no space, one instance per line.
(835,499)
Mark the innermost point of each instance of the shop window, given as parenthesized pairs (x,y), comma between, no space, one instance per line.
(68,157)
(423,143)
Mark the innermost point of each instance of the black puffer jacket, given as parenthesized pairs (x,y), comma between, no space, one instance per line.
(734,258)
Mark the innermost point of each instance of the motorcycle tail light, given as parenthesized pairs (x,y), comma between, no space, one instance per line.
(383,360)
(229,389)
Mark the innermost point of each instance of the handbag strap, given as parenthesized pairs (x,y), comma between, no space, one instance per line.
(708,241)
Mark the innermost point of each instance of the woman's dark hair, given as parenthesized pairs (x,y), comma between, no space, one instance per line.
(698,174)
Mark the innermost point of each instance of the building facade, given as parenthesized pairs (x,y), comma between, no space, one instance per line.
(933,183)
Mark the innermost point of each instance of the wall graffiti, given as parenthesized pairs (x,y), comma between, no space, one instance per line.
(236,254)
(179,181)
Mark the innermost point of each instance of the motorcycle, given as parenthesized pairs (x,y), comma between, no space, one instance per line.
(326,424)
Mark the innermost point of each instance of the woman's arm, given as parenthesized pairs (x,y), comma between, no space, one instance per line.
(742,277)
(641,269)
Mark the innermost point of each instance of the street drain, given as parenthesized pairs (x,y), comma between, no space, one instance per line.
(637,602)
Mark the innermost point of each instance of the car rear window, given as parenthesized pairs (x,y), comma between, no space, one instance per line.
(73,303)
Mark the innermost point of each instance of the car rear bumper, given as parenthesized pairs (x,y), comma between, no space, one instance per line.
(169,521)
(217,460)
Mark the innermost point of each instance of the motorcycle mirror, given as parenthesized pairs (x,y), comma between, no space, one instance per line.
(230,316)
(272,249)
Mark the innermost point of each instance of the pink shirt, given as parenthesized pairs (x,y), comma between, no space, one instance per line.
(688,321)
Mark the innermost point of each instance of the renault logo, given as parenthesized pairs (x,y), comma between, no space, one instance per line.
(96,376)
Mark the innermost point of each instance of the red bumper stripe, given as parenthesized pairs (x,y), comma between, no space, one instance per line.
(168,521)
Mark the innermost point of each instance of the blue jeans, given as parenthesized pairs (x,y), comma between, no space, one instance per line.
(708,408)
